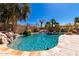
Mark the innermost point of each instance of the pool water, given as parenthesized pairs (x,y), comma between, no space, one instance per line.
(35,42)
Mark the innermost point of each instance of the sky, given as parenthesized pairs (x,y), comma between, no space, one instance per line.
(64,13)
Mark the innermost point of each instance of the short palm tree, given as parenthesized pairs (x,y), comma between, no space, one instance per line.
(52,25)
(53,22)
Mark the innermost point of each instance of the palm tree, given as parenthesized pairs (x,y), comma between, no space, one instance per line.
(41,23)
(52,25)
(53,22)
(11,13)
(4,13)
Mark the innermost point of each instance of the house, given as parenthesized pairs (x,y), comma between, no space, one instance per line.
(76,24)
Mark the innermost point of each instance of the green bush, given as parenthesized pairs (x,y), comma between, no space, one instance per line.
(27,32)
(35,29)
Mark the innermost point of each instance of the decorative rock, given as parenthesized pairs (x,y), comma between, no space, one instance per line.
(6,38)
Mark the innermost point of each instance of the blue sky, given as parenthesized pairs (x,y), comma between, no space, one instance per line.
(64,13)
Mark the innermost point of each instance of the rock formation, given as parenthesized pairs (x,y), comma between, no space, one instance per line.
(6,38)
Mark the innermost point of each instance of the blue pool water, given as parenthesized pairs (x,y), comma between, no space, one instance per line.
(35,42)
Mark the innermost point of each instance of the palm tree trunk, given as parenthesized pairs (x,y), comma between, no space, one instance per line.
(6,25)
(14,23)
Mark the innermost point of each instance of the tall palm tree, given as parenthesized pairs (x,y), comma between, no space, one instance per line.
(41,23)
(20,12)
(11,13)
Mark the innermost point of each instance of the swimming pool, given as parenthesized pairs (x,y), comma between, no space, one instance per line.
(35,42)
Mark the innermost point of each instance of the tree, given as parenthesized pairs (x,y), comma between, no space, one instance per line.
(48,26)
(41,23)
(53,22)
(57,27)
(52,25)
(11,13)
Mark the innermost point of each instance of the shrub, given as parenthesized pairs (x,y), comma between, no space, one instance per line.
(35,29)
(27,32)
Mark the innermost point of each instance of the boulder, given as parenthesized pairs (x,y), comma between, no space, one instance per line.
(6,38)
(3,38)
(10,35)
